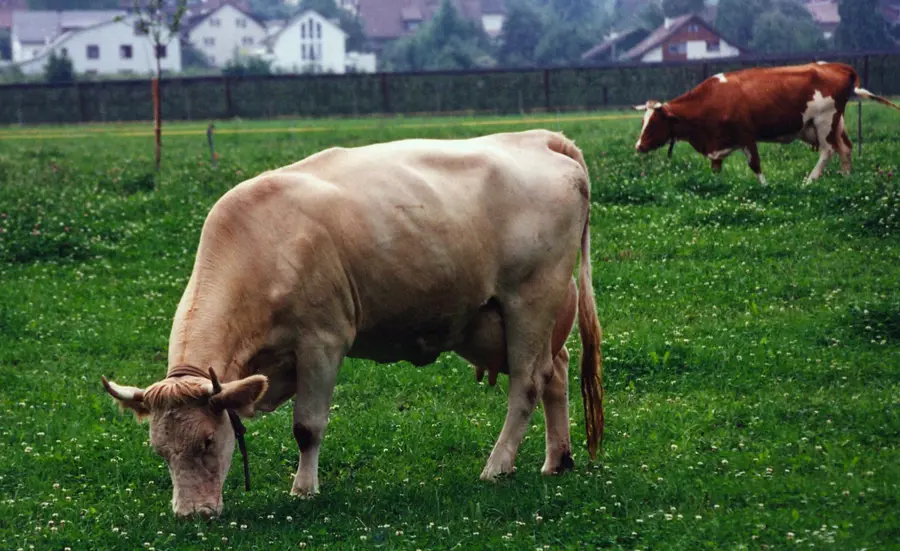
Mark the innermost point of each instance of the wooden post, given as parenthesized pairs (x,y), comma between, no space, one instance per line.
(229,106)
(605,96)
(212,147)
(157,128)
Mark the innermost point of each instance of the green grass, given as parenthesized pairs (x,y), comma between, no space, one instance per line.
(751,343)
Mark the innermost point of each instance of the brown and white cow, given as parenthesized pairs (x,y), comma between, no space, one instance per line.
(737,110)
(393,251)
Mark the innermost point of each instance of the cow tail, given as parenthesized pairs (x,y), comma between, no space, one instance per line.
(588,323)
(591,356)
(863,93)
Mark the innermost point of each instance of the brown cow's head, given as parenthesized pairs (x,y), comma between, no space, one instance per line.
(657,127)
(189,428)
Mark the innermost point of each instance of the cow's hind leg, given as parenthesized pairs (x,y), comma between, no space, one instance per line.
(317,368)
(555,400)
(826,126)
(528,322)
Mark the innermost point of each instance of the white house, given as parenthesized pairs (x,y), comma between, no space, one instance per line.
(109,47)
(225,33)
(32,31)
(682,38)
(307,42)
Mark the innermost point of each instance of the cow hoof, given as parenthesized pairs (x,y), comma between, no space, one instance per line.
(305,492)
(493,474)
(566,463)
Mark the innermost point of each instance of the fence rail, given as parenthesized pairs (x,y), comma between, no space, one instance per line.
(500,91)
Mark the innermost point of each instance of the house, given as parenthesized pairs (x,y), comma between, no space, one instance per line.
(388,20)
(225,33)
(682,38)
(111,44)
(6,9)
(615,44)
(825,14)
(307,42)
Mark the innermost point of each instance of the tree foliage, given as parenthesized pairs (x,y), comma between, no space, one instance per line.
(770,25)
(522,28)
(676,8)
(447,41)
(59,68)
(862,26)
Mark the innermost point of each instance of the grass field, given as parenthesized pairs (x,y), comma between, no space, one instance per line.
(751,343)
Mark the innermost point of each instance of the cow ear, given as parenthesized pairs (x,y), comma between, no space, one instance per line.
(641,107)
(240,394)
(127,397)
(666,112)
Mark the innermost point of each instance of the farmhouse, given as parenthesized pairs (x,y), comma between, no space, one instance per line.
(683,38)
(225,33)
(307,42)
(97,42)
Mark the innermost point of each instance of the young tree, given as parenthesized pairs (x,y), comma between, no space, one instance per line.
(59,69)
(160,21)
(862,27)
(676,8)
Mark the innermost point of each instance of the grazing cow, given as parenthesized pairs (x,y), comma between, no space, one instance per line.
(393,251)
(732,111)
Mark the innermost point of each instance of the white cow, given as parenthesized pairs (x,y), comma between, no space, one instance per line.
(393,251)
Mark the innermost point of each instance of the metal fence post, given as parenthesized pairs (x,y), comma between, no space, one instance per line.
(385,94)
(229,105)
(547,89)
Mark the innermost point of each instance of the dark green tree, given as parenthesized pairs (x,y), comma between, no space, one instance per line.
(862,27)
(59,69)
(651,15)
(735,19)
(562,44)
(523,28)
(676,8)
(777,32)
(5,44)
(447,41)
(573,11)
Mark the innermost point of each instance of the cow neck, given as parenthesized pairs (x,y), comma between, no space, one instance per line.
(185,370)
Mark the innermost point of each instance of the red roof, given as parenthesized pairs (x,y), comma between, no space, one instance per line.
(663,33)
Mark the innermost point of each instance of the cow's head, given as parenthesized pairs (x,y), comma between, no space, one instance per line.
(190,429)
(657,127)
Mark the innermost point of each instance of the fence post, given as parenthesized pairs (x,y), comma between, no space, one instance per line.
(385,94)
(79,93)
(229,106)
(605,96)
(705,72)
(547,89)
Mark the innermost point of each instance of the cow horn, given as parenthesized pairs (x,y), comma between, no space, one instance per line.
(217,388)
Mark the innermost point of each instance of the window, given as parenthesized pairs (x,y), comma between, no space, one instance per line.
(125,51)
(678,48)
(241,23)
(93,51)
(412,25)
(209,41)
(247,41)
(303,52)
(161,51)
(215,22)
(692,28)
(713,46)
(302,30)
(318,30)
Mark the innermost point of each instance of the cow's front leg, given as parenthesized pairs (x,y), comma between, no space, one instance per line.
(716,165)
(317,370)
(558,456)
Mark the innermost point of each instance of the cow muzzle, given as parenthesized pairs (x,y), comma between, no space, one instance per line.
(202,510)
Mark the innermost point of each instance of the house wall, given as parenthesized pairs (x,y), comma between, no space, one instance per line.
(653,56)
(226,32)
(26,51)
(492,23)
(291,44)
(696,38)
(109,38)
